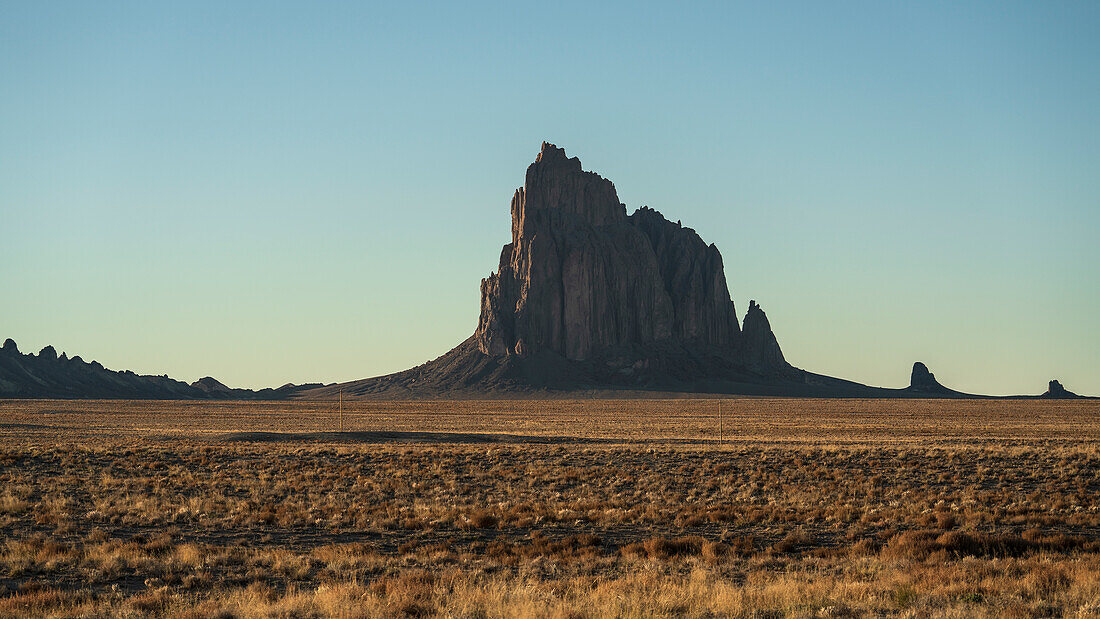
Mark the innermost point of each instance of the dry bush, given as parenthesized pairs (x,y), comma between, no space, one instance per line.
(869,512)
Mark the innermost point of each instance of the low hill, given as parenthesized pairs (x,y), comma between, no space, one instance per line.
(49,375)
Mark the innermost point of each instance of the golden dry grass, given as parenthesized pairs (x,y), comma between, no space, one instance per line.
(551,508)
(746,419)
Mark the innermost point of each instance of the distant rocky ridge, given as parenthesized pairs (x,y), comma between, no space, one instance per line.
(48,375)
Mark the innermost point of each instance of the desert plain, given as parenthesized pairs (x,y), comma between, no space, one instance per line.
(561,508)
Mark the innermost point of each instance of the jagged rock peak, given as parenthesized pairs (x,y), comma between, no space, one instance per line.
(760,350)
(47,353)
(923,380)
(694,277)
(580,277)
(550,154)
(557,182)
(1056,390)
(9,345)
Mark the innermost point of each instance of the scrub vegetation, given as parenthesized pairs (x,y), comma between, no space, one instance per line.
(587,508)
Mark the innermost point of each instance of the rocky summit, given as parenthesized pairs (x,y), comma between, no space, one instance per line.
(584,280)
(1055,390)
(589,296)
(923,382)
(922,379)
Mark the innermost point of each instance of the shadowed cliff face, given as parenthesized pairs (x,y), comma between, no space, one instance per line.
(923,381)
(1057,391)
(694,279)
(581,277)
(760,350)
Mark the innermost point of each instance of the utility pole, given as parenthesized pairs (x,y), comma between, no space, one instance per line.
(721,425)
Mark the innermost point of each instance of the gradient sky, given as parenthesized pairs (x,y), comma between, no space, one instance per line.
(274,192)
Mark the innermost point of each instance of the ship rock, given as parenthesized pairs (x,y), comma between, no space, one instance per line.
(587,300)
(589,297)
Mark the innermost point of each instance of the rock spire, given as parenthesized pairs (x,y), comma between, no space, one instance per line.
(581,278)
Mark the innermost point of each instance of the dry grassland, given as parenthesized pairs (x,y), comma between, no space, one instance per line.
(815,508)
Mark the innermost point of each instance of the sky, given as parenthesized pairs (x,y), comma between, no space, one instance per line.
(273,192)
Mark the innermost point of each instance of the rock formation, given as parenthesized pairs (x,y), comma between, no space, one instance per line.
(584,280)
(212,386)
(48,375)
(760,350)
(924,382)
(586,296)
(1055,390)
(581,277)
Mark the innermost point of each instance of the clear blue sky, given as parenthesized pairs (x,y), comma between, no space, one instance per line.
(273,192)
